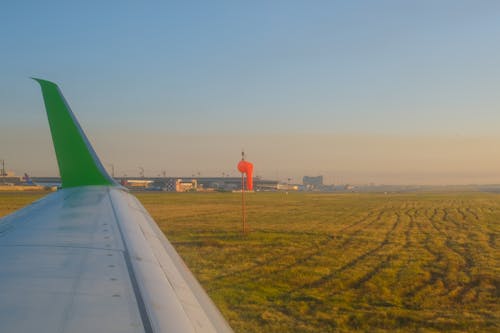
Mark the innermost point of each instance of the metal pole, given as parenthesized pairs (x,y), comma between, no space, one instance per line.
(243,203)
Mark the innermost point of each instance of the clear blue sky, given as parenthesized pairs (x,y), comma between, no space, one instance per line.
(306,87)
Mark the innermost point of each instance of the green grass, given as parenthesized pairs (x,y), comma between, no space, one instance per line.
(340,262)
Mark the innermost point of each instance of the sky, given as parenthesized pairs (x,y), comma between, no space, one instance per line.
(385,92)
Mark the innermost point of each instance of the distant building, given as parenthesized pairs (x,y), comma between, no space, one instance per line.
(169,185)
(313,183)
(289,187)
(231,183)
(348,187)
(182,185)
(185,184)
(136,183)
(9,178)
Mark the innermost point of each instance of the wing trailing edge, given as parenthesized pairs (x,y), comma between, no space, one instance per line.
(77,160)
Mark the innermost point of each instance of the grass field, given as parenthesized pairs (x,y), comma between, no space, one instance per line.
(338,262)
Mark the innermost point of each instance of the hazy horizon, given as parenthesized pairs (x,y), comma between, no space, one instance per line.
(348,158)
(359,92)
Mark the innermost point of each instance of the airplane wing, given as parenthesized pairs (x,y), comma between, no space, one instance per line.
(89,258)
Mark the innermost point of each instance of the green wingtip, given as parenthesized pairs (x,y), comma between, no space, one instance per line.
(77,160)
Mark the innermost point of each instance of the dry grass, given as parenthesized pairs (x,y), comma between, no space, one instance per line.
(342,262)
(339,262)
